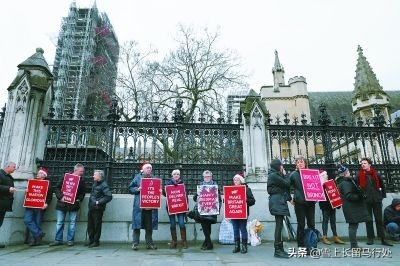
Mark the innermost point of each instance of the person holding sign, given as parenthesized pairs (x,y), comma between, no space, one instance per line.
(175,181)
(100,195)
(278,187)
(354,207)
(70,191)
(146,219)
(33,216)
(239,225)
(328,214)
(208,219)
(7,190)
(305,210)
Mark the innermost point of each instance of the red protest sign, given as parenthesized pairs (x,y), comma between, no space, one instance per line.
(333,194)
(150,195)
(207,200)
(70,187)
(176,199)
(235,202)
(36,195)
(312,186)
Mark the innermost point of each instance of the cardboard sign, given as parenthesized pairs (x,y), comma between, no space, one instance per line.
(207,200)
(176,199)
(150,195)
(312,186)
(36,195)
(70,187)
(235,202)
(333,194)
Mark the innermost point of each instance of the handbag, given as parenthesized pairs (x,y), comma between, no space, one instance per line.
(194,214)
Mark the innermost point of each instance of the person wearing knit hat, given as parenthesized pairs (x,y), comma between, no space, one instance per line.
(33,217)
(239,225)
(278,187)
(341,169)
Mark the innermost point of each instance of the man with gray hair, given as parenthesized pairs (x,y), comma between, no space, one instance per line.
(7,190)
(100,195)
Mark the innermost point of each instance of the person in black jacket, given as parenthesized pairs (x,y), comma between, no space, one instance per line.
(391,219)
(100,195)
(64,208)
(7,190)
(33,216)
(278,187)
(239,225)
(372,184)
(354,208)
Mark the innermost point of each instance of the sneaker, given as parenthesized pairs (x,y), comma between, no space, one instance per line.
(55,243)
(70,243)
(151,246)
(135,246)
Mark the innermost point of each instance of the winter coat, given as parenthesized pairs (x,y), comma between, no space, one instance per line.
(373,195)
(100,192)
(390,215)
(326,205)
(295,182)
(209,218)
(80,195)
(354,208)
(6,198)
(137,211)
(278,187)
(250,200)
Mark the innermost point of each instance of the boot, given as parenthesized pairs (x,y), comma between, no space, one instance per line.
(279,252)
(236,249)
(337,240)
(370,241)
(325,240)
(174,238)
(204,245)
(209,245)
(183,236)
(243,250)
(385,243)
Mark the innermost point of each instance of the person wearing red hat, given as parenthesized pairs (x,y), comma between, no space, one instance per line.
(33,217)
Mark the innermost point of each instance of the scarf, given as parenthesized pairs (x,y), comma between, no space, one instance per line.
(373,174)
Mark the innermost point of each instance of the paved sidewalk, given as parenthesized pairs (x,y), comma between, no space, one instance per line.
(117,254)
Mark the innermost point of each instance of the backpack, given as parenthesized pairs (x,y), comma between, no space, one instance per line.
(310,238)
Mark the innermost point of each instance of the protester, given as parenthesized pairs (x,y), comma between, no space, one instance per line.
(239,225)
(354,207)
(328,214)
(391,219)
(146,219)
(64,208)
(100,195)
(33,216)
(371,183)
(278,187)
(7,191)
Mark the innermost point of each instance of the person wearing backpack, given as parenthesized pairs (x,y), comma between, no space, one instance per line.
(354,207)
(278,187)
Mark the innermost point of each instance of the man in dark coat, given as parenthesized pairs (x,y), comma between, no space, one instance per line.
(371,183)
(64,208)
(100,195)
(391,219)
(7,190)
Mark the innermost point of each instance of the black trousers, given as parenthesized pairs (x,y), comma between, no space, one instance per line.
(2,214)
(206,226)
(376,209)
(95,219)
(329,215)
(303,212)
(278,229)
(353,234)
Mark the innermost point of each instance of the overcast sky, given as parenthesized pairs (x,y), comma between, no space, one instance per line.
(316,39)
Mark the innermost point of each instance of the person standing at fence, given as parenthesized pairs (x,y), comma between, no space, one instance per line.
(33,217)
(278,187)
(146,219)
(328,214)
(207,220)
(175,180)
(7,191)
(305,210)
(372,184)
(354,208)
(100,195)
(64,208)
(240,225)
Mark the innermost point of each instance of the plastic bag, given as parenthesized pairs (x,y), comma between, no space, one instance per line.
(255,228)
(226,232)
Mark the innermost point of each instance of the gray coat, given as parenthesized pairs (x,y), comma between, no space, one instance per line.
(137,212)
(278,187)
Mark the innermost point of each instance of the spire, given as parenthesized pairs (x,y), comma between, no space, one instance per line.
(279,73)
(277,65)
(36,60)
(366,82)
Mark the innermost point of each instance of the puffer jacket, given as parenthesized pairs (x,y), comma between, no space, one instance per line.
(80,195)
(390,215)
(6,198)
(101,192)
(278,188)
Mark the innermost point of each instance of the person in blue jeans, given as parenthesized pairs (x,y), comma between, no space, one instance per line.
(175,180)
(64,208)
(33,216)
(391,219)
(239,225)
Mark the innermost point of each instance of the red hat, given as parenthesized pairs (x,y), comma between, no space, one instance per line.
(322,172)
(145,163)
(44,171)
